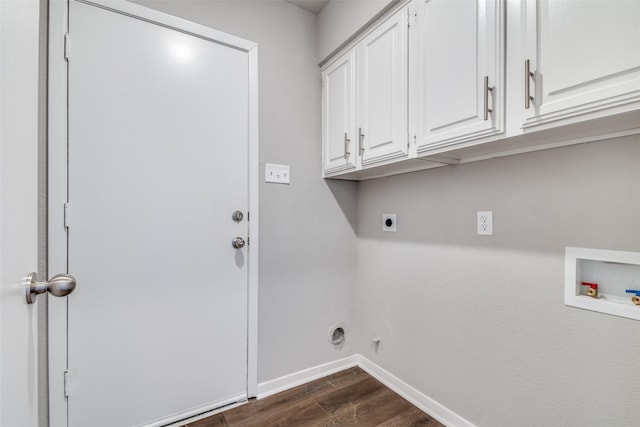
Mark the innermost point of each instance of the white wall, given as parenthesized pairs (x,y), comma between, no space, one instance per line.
(478,323)
(18,210)
(340,19)
(307,239)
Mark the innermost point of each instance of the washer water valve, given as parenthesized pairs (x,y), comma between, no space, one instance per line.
(636,297)
(593,289)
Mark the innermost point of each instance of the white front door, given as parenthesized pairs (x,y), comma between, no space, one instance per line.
(158,138)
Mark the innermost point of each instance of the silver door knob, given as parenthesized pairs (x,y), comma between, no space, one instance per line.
(59,285)
(237,216)
(237,242)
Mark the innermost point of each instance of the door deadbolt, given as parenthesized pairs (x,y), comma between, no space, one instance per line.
(237,242)
(237,216)
(59,285)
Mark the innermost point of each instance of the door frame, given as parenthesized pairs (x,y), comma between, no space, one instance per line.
(57,192)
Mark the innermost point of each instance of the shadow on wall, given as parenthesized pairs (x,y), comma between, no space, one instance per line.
(345,193)
(583,195)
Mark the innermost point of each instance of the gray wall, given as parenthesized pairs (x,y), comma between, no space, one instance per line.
(340,19)
(478,323)
(307,239)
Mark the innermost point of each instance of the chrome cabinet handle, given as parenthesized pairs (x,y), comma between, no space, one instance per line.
(237,242)
(528,76)
(360,141)
(487,89)
(346,143)
(59,285)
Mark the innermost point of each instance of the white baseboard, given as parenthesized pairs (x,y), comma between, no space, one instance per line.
(301,377)
(417,398)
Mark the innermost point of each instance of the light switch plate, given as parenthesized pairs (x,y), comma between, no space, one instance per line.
(278,174)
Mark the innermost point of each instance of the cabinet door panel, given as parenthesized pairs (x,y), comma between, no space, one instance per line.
(382,65)
(586,56)
(452,63)
(338,98)
(459,43)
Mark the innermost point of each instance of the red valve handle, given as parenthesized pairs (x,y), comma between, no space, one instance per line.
(591,285)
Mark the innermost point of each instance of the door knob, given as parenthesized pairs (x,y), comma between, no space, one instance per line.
(237,242)
(59,285)
(237,216)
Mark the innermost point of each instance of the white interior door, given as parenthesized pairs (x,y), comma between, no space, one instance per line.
(19,343)
(157,163)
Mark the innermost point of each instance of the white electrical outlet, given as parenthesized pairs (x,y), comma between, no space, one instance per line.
(389,222)
(278,174)
(485,223)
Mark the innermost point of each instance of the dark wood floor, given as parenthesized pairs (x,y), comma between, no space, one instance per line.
(347,398)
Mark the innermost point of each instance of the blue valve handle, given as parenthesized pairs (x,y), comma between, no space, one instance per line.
(633,291)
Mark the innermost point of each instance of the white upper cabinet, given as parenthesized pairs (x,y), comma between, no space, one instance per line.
(339,115)
(441,82)
(584,59)
(364,100)
(382,91)
(459,78)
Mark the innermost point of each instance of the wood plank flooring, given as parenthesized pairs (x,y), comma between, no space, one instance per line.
(347,398)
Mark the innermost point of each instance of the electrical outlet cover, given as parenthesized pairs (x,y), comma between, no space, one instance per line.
(389,222)
(485,223)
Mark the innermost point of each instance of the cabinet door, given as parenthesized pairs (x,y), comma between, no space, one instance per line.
(382,91)
(338,115)
(584,56)
(459,47)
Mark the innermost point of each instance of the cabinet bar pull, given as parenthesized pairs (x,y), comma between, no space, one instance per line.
(346,143)
(487,89)
(360,139)
(528,75)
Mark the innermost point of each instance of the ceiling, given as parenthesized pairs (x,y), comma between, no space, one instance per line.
(313,6)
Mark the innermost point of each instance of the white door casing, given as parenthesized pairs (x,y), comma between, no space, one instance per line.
(160,110)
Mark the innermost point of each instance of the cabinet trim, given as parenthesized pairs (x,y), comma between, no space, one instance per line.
(480,137)
(602,107)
